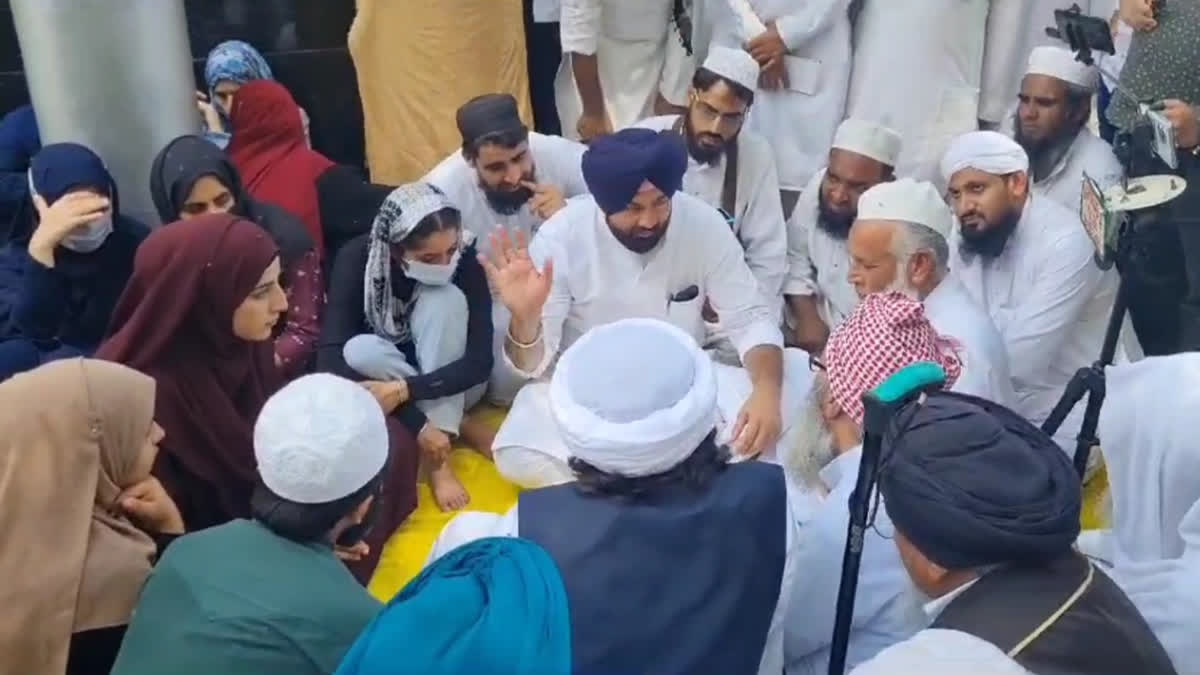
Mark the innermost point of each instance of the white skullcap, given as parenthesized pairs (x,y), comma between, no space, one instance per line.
(987,151)
(907,200)
(1061,64)
(634,397)
(319,439)
(733,64)
(869,140)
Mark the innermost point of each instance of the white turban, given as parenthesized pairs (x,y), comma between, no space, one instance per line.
(907,200)
(986,151)
(733,64)
(1061,64)
(319,439)
(634,397)
(869,140)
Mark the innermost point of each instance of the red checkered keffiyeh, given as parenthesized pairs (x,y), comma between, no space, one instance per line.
(885,333)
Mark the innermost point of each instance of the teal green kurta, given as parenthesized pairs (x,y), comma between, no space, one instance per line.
(239,599)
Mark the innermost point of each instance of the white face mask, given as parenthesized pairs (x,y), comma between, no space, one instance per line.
(88,238)
(430,274)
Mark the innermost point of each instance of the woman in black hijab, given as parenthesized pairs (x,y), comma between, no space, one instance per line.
(192,177)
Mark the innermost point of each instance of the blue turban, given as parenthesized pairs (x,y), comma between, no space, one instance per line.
(495,605)
(616,165)
(971,484)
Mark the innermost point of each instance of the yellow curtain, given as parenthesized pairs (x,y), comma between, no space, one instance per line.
(418,61)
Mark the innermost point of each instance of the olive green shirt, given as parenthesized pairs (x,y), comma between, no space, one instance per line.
(1163,63)
(238,599)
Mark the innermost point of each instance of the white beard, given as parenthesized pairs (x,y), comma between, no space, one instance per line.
(901,285)
(814,445)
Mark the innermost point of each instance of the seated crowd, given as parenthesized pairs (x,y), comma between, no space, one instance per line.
(245,400)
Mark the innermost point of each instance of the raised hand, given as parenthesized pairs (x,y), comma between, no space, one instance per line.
(57,220)
(519,284)
(546,201)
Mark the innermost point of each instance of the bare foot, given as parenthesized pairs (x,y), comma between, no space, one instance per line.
(478,434)
(448,492)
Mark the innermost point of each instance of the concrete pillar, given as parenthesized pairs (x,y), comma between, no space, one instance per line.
(115,75)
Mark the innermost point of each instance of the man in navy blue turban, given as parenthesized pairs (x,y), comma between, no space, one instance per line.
(986,511)
(632,175)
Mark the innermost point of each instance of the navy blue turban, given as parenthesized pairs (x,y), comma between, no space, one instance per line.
(616,165)
(971,483)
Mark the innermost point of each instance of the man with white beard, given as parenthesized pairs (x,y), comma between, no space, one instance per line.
(899,244)
(885,333)
(816,289)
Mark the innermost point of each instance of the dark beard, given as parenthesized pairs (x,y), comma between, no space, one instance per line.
(506,202)
(836,225)
(639,244)
(701,153)
(1045,154)
(989,243)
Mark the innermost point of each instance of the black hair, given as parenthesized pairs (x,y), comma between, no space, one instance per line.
(506,138)
(306,523)
(694,473)
(447,218)
(704,79)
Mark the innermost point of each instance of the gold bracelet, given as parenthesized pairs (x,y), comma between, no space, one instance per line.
(525,345)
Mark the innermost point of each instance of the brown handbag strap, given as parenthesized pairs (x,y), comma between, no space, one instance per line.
(729,181)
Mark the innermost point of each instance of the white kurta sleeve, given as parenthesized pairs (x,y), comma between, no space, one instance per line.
(732,288)
(548,244)
(762,230)
(579,26)
(749,26)
(941,652)
(813,19)
(1044,320)
(801,274)
(881,579)
(567,158)
(469,526)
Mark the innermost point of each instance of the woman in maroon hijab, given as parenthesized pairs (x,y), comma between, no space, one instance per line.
(271,151)
(198,316)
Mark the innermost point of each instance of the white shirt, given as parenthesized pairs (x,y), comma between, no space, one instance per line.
(941,651)
(885,608)
(817,35)
(818,264)
(597,280)
(917,69)
(1088,154)
(471,525)
(1048,300)
(638,54)
(985,371)
(556,162)
(758,215)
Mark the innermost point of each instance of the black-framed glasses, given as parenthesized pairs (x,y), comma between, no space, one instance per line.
(815,364)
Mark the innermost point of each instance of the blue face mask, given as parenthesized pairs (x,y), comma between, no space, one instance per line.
(87,238)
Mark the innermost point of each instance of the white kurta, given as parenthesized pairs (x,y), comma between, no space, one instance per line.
(1149,439)
(638,54)
(917,69)
(885,609)
(1088,154)
(1050,303)
(817,35)
(758,217)
(1015,28)
(818,264)
(472,525)
(937,651)
(556,162)
(985,371)
(597,281)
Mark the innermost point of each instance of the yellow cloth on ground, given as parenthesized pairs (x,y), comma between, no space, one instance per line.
(408,549)
(417,62)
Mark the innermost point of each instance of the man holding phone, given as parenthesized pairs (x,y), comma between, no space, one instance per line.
(269,594)
(1163,275)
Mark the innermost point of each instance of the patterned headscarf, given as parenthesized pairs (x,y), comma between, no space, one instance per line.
(399,214)
(233,61)
(885,333)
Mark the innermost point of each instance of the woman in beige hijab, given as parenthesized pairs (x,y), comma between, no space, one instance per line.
(78,508)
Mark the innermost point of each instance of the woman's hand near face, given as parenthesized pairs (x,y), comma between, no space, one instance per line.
(55,221)
(149,506)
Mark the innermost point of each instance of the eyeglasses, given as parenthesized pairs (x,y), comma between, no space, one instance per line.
(815,364)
